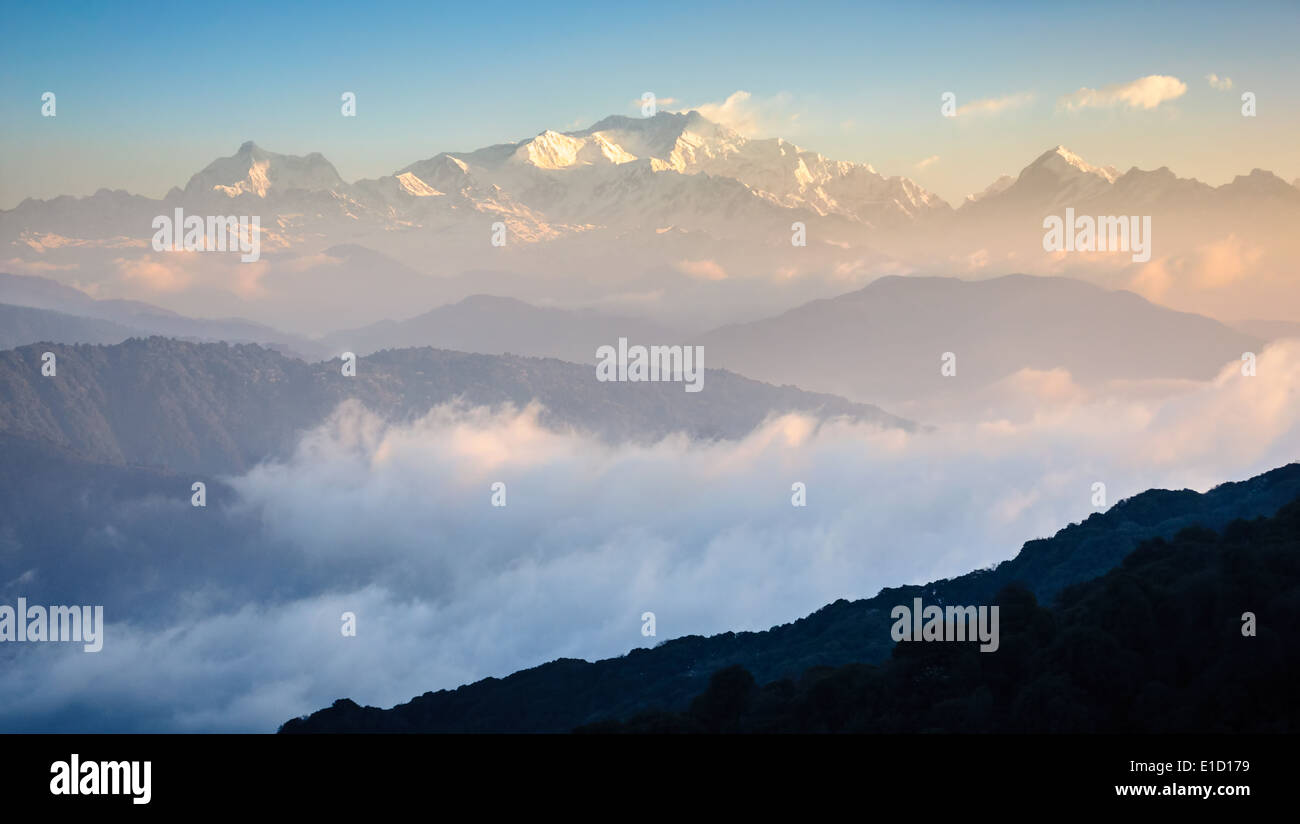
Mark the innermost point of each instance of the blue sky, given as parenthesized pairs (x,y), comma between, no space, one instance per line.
(149,95)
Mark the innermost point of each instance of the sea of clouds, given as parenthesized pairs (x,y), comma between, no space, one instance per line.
(394,522)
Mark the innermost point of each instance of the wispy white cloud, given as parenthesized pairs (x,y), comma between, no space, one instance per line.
(35,267)
(1218,264)
(156,273)
(995,105)
(1144,93)
(929,161)
(703,269)
(1220,83)
(752,116)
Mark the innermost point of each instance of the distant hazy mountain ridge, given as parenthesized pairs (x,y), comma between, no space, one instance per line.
(220,408)
(658,213)
(886,340)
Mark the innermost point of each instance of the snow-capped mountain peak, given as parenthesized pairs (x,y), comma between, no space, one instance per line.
(1058,177)
(1063,161)
(253,170)
(553,150)
(1003,183)
(415,186)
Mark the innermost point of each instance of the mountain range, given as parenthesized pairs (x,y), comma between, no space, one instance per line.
(499,325)
(671,216)
(613,169)
(42,309)
(215,408)
(886,340)
(882,343)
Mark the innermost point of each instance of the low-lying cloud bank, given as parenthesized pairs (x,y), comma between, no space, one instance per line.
(395,524)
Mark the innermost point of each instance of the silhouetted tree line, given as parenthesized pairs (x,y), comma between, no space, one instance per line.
(1156,645)
(566,693)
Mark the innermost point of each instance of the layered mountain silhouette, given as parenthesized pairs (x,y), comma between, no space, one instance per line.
(218,408)
(499,325)
(882,343)
(568,693)
(886,340)
(468,277)
(587,214)
(1190,634)
(21,325)
(72,316)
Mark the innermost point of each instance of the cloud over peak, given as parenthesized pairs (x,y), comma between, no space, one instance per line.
(750,116)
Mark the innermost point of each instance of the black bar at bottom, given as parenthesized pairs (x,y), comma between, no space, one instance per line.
(224,773)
